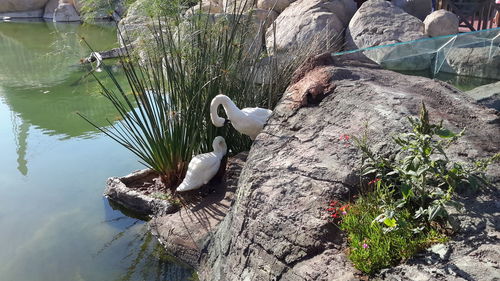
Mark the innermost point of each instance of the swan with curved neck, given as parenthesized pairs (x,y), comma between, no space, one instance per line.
(248,121)
(203,167)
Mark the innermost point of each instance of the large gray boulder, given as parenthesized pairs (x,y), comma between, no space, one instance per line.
(487,95)
(65,12)
(417,8)
(310,26)
(276,5)
(476,61)
(277,228)
(440,23)
(48,12)
(135,24)
(378,23)
(21,5)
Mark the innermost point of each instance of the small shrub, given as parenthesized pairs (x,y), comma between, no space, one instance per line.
(371,248)
(402,206)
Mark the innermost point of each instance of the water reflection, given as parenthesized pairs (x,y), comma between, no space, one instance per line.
(39,55)
(145,258)
(53,166)
(43,83)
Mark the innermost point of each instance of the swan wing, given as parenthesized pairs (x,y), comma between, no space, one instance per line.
(257,113)
(201,169)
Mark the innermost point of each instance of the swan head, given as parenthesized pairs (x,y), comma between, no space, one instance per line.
(214,105)
(219,145)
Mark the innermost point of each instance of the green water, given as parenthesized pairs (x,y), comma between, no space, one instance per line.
(54,223)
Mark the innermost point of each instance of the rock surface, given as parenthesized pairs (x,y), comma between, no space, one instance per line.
(184,233)
(277,227)
(208,7)
(487,95)
(24,14)
(135,24)
(417,8)
(65,12)
(49,9)
(475,61)
(473,254)
(440,23)
(276,5)
(310,25)
(21,5)
(126,191)
(238,6)
(378,23)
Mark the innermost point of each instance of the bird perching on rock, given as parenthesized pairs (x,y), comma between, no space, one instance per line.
(203,167)
(248,121)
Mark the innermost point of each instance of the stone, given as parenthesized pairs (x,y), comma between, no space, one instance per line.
(440,23)
(7,6)
(378,23)
(184,233)
(475,61)
(442,250)
(417,8)
(50,8)
(209,7)
(310,26)
(277,228)
(24,14)
(126,191)
(276,5)
(238,6)
(135,25)
(487,95)
(65,12)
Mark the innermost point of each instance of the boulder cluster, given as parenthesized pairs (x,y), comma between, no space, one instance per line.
(55,10)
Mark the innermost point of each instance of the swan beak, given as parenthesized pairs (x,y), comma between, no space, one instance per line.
(227,121)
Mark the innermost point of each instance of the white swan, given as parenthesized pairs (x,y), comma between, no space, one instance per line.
(203,167)
(248,121)
(96,57)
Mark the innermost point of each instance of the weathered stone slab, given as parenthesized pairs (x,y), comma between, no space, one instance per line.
(184,233)
(126,191)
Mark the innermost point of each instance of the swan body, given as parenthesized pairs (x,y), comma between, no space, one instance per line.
(203,167)
(248,121)
(96,57)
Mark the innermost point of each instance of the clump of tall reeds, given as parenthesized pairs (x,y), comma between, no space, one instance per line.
(187,62)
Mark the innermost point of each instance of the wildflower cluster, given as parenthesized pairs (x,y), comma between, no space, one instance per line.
(344,138)
(403,208)
(336,210)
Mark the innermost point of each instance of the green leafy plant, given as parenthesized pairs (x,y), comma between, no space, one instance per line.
(412,187)
(419,176)
(371,248)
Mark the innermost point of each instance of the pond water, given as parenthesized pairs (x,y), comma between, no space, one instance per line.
(54,223)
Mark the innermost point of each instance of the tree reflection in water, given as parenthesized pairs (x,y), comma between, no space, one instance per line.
(145,258)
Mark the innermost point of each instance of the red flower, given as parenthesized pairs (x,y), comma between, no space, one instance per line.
(374,181)
(344,137)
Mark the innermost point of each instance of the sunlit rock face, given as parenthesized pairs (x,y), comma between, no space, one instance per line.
(21,5)
(277,228)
